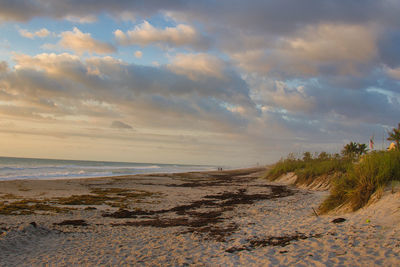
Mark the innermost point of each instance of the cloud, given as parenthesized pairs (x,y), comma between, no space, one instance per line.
(326,44)
(138,54)
(196,66)
(331,42)
(31,35)
(81,19)
(54,64)
(292,99)
(120,125)
(63,85)
(19,10)
(325,48)
(145,34)
(284,17)
(357,106)
(127,16)
(254,15)
(319,102)
(393,73)
(3,66)
(80,43)
(388,44)
(253,61)
(78,11)
(288,74)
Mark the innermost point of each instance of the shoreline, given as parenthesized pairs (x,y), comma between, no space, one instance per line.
(198,218)
(146,174)
(49,169)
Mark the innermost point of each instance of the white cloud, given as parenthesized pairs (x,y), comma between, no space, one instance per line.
(80,42)
(31,35)
(138,54)
(145,34)
(50,63)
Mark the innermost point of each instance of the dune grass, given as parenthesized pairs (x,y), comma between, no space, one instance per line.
(354,180)
(308,168)
(373,172)
(316,168)
(284,166)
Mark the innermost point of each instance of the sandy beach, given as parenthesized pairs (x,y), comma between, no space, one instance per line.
(224,218)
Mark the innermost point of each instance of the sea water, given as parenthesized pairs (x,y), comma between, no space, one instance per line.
(29,168)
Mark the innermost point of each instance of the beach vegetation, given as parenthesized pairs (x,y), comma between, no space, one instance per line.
(394,135)
(374,172)
(290,164)
(354,150)
(354,176)
(308,167)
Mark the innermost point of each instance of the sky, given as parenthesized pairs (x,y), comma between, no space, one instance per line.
(230,83)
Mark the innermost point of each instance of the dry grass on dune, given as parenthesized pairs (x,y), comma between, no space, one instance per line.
(353,181)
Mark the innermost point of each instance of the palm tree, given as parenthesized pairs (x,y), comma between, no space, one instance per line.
(323,156)
(350,150)
(354,149)
(394,135)
(362,149)
(307,156)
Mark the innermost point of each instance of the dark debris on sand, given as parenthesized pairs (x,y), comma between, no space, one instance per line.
(281,241)
(338,220)
(73,223)
(224,200)
(216,232)
(207,216)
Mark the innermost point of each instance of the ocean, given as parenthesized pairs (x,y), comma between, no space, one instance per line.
(29,168)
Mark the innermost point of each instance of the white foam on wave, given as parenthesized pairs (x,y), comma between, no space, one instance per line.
(19,169)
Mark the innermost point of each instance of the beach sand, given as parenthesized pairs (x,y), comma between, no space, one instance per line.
(225,218)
